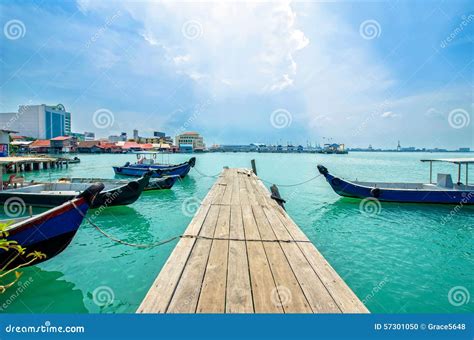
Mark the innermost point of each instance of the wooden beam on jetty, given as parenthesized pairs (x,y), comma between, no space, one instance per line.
(242,253)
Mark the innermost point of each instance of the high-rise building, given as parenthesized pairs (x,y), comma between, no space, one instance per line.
(135,135)
(38,121)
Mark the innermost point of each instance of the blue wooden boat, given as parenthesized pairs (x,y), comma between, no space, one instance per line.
(444,191)
(159,170)
(49,233)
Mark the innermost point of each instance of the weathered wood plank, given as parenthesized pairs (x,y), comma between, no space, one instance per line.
(239,293)
(213,292)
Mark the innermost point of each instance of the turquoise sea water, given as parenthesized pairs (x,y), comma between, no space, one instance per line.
(405,259)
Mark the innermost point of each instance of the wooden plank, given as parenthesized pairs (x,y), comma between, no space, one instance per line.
(239,294)
(263,285)
(344,297)
(288,291)
(213,293)
(236,223)
(264,228)
(243,192)
(187,292)
(223,222)
(160,293)
(316,293)
(250,226)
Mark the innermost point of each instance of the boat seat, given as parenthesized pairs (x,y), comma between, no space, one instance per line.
(445,181)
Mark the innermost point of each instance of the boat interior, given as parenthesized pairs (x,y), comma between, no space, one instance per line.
(59,188)
(444,182)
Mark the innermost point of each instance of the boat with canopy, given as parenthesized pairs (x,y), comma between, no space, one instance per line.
(443,191)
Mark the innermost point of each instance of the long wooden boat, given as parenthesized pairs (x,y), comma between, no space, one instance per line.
(162,183)
(52,194)
(159,170)
(444,191)
(49,233)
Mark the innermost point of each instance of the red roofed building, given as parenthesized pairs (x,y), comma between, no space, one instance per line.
(40,146)
(62,144)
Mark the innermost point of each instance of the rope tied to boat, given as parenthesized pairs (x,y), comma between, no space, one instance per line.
(290,185)
(117,240)
(204,175)
(160,243)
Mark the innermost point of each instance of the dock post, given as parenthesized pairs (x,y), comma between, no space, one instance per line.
(254,167)
(276,196)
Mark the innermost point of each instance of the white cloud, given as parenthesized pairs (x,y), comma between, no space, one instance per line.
(249,46)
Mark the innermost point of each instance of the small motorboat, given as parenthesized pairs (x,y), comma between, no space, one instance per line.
(48,233)
(443,191)
(161,183)
(52,194)
(159,170)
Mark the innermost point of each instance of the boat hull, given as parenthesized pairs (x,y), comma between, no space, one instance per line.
(349,189)
(136,170)
(125,194)
(49,233)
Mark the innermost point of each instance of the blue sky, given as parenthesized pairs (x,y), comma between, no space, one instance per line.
(359,73)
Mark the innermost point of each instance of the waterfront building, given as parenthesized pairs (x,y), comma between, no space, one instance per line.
(40,146)
(61,144)
(135,135)
(38,121)
(184,140)
(464,149)
(121,138)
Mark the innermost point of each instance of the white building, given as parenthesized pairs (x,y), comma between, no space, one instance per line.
(190,138)
(38,121)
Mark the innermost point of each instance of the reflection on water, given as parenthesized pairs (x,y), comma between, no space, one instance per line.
(41,291)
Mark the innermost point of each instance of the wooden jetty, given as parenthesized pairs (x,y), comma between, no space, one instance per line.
(242,253)
(17,164)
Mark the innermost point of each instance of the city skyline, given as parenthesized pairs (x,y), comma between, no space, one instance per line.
(365,74)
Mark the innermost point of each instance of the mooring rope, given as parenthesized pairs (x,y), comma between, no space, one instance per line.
(160,243)
(290,185)
(266,181)
(204,175)
(137,245)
